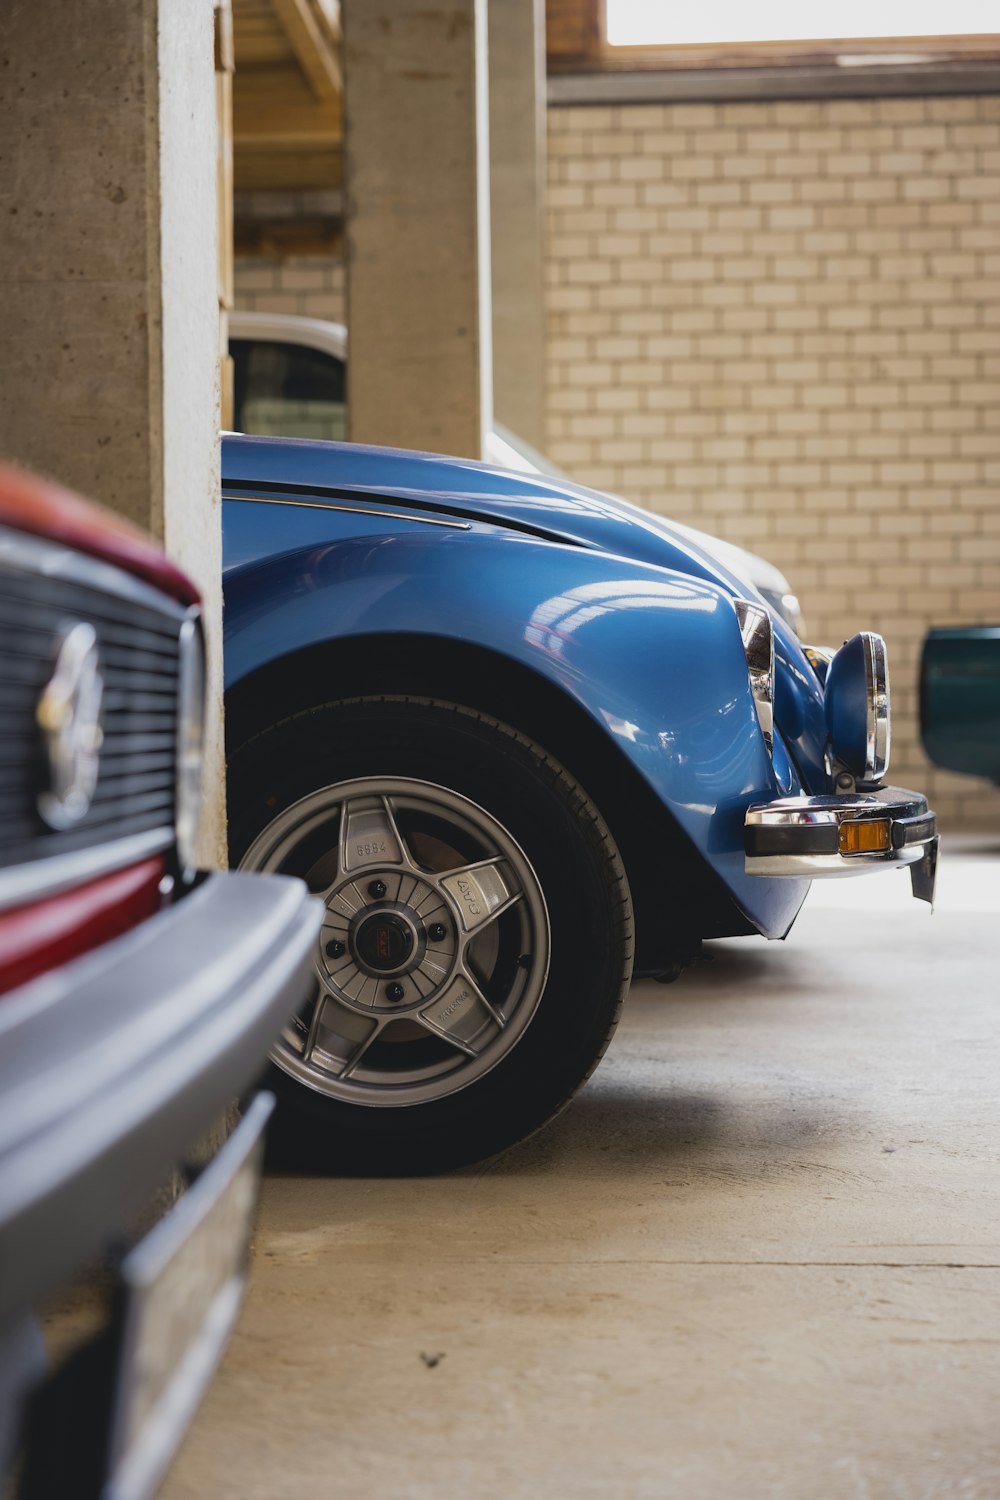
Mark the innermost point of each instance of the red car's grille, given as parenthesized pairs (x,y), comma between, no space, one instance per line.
(45,591)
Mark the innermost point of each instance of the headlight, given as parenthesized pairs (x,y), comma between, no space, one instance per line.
(857,707)
(758,647)
(190,738)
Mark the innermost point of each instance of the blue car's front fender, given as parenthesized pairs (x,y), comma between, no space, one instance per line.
(654,656)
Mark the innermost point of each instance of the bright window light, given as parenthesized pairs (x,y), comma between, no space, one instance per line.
(635,23)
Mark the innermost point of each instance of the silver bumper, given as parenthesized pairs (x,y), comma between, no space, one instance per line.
(818,837)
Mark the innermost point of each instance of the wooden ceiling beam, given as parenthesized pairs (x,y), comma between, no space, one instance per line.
(313,41)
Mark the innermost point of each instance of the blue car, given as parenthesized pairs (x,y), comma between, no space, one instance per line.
(526,742)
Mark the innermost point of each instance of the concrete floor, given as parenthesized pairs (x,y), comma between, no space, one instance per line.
(759,1256)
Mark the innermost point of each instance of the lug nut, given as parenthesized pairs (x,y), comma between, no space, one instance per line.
(377,889)
(395,991)
(334,950)
(437,932)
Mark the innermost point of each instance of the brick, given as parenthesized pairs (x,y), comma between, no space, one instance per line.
(639,169)
(954,214)
(743,217)
(618,295)
(613,195)
(975,135)
(848,163)
(923,137)
(254,276)
(565,194)
(680,220)
(632,220)
(695,117)
(901,111)
(770,190)
(698,269)
(667,142)
(976,187)
(719,192)
(740,268)
(796,317)
(588,169)
(800,216)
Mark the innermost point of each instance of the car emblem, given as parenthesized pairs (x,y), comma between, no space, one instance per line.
(69,717)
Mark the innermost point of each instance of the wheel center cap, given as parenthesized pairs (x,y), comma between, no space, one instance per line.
(384,942)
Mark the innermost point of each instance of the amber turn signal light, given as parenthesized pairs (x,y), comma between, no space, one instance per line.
(868,837)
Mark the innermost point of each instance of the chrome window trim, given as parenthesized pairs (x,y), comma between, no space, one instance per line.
(354,510)
(39,879)
(21,552)
(757,633)
(877,742)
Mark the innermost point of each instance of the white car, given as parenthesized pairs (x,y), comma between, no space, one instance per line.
(290,380)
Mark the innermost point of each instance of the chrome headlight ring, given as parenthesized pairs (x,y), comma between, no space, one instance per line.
(877,737)
(190,738)
(757,632)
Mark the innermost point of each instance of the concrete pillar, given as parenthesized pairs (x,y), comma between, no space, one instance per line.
(417,171)
(517,178)
(109,376)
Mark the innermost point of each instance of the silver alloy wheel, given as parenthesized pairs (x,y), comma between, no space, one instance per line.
(434,950)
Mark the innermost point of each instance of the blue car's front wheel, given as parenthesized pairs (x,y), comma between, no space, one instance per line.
(477,939)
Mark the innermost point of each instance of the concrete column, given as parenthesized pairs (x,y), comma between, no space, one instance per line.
(109,376)
(517,178)
(417,169)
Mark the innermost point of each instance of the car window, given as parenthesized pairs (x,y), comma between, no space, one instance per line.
(287,390)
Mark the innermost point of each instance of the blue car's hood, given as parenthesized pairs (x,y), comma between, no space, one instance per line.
(555,507)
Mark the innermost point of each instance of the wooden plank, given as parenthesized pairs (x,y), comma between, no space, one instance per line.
(258,36)
(263,51)
(297,169)
(574,28)
(274,107)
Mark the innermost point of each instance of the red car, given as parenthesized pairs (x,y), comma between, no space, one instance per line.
(138,997)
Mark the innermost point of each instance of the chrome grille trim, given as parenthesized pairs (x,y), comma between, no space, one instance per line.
(43,586)
(20,884)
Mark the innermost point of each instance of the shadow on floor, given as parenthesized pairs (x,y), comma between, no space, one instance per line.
(740,970)
(621,1130)
(624,1131)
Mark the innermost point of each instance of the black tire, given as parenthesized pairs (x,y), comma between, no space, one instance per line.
(520,789)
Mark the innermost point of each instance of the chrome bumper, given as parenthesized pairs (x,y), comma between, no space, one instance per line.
(811,837)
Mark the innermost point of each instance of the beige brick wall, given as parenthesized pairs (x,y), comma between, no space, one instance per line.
(781,322)
(311,285)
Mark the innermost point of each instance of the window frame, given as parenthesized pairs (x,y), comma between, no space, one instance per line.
(585,67)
